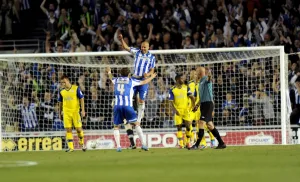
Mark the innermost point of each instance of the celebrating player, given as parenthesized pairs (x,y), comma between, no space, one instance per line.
(194,87)
(206,108)
(179,96)
(144,63)
(71,100)
(123,90)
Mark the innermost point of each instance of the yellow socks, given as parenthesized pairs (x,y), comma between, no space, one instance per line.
(180,139)
(69,137)
(81,138)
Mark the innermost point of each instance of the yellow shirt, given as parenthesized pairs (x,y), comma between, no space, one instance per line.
(180,96)
(192,87)
(70,98)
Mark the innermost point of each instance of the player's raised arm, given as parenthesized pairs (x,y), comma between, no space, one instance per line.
(110,76)
(124,45)
(148,79)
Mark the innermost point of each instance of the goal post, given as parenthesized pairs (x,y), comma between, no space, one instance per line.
(250,89)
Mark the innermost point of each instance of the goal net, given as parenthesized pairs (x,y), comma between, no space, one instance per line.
(249,95)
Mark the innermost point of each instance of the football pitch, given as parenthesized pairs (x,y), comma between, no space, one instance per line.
(234,164)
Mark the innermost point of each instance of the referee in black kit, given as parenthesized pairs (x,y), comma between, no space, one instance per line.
(206,107)
(295,100)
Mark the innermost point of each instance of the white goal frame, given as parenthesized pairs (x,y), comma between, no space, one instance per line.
(283,70)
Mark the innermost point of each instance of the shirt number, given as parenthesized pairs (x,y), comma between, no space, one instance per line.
(121,88)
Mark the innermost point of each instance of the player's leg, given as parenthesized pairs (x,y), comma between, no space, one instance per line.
(216,133)
(188,133)
(140,133)
(117,137)
(129,131)
(212,128)
(178,123)
(203,143)
(188,118)
(142,90)
(131,118)
(78,126)
(211,136)
(69,136)
(118,120)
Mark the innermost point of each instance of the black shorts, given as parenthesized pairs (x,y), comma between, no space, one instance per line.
(206,109)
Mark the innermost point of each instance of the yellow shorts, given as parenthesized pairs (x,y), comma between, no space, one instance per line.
(184,115)
(72,119)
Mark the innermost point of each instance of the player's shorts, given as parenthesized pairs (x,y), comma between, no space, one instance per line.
(206,109)
(72,119)
(192,116)
(141,89)
(124,112)
(184,115)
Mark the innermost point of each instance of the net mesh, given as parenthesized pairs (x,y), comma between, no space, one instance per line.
(246,88)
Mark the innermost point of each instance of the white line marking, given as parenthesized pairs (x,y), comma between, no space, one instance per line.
(4,164)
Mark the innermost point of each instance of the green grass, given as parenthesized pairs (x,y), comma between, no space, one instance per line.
(234,164)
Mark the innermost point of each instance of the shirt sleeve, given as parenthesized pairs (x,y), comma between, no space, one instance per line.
(114,80)
(60,98)
(153,62)
(189,91)
(133,50)
(171,95)
(79,93)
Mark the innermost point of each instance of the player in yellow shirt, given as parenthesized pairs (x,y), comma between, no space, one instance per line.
(179,97)
(71,100)
(194,86)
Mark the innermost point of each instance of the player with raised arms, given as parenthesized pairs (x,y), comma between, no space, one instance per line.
(71,100)
(206,108)
(179,96)
(123,109)
(144,64)
(194,87)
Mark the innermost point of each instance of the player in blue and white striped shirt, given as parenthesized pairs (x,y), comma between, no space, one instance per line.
(123,91)
(144,64)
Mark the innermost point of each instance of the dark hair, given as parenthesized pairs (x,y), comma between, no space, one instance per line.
(177,77)
(298,79)
(64,77)
(124,72)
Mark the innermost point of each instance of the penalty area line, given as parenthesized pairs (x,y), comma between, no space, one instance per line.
(6,164)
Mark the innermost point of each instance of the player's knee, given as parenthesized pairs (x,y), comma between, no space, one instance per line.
(210,125)
(179,127)
(116,127)
(128,126)
(78,130)
(69,130)
(201,124)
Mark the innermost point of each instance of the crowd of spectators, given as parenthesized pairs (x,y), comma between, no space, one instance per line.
(15,19)
(246,93)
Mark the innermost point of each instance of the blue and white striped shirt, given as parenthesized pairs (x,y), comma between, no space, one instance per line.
(142,62)
(123,90)
(29,116)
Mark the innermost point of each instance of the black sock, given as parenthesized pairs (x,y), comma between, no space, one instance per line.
(130,136)
(200,136)
(216,133)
